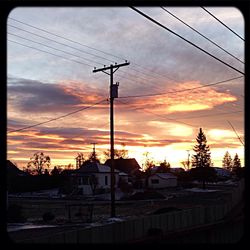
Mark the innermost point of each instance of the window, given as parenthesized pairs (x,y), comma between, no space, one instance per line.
(155,181)
(106,180)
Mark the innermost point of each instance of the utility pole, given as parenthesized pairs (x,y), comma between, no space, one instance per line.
(113,94)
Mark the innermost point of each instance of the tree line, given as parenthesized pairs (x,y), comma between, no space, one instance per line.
(40,163)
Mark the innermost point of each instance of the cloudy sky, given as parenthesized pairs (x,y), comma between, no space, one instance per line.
(163,100)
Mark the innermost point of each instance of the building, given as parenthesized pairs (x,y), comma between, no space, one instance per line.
(129,166)
(162,180)
(93,178)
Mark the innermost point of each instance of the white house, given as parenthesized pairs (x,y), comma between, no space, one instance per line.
(222,172)
(162,180)
(93,176)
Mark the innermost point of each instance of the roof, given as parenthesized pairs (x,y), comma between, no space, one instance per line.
(12,169)
(164,175)
(128,166)
(222,171)
(94,167)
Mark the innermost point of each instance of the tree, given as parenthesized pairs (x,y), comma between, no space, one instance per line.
(227,161)
(236,163)
(56,171)
(186,165)
(202,159)
(147,167)
(79,160)
(38,162)
(118,153)
(164,167)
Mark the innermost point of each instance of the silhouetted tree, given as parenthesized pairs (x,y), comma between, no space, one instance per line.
(79,160)
(55,171)
(38,162)
(185,164)
(227,161)
(202,158)
(118,153)
(148,164)
(164,167)
(236,163)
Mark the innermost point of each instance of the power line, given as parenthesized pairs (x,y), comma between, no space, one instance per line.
(196,46)
(51,53)
(57,42)
(70,40)
(69,47)
(222,23)
(236,133)
(202,35)
(55,48)
(226,113)
(164,117)
(59,117)
(183,90)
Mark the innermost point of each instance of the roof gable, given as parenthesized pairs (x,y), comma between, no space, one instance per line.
(94,167)
(127,166)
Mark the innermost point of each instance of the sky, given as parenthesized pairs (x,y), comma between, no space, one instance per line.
(163,100)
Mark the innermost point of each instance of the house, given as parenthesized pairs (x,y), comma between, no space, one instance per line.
(93,178)
(222,172)
(14,171)
(162,180)
(129,166)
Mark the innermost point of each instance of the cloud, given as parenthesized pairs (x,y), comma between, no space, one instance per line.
(36,96)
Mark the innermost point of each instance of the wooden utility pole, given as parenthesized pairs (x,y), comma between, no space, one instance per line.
(113,94)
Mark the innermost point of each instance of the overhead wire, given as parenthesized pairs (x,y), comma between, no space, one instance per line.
(81,44)
(65,58)
(182,90)
(223,23)
(196,31)
(69,47)
(51,47)
(191,43)
(59,117)
(70,40)
(236,133)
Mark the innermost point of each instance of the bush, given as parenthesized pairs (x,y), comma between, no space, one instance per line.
(48,216)
(14,214)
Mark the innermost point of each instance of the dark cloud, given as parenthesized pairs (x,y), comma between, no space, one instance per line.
(32,95)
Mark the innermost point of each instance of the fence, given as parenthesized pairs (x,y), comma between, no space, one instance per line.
(127,231)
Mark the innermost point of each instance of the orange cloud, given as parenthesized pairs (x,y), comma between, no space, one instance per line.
(185,101)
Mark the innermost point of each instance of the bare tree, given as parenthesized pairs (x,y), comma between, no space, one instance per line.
(118,153)
(38,162)
(79,160)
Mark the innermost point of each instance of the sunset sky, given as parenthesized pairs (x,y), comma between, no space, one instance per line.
(49,76)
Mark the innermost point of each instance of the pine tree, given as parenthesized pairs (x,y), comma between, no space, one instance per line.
(227,162)
(202,157)
(236,162)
